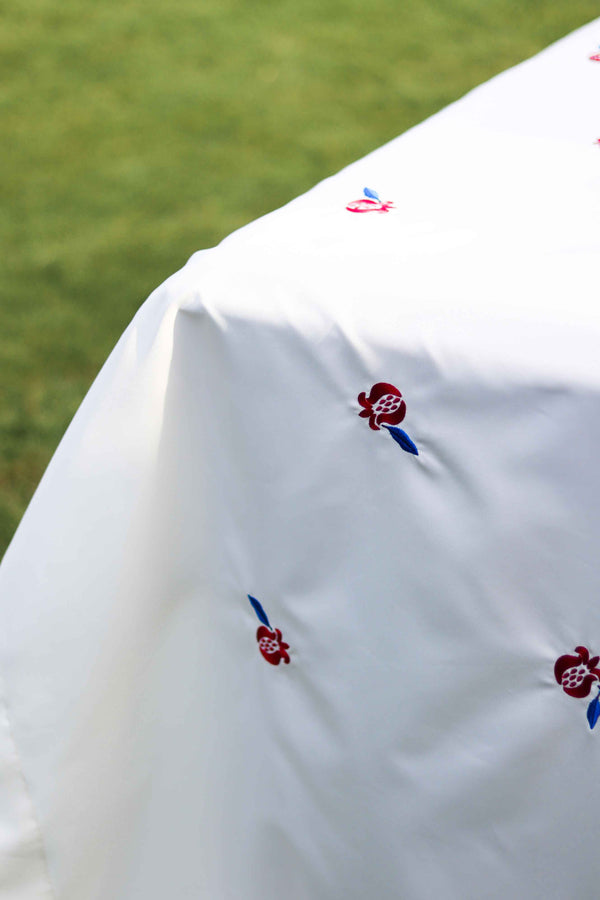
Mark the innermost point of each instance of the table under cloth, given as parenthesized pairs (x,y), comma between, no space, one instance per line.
(307,604)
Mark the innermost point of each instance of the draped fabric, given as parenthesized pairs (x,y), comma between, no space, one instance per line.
(377,414)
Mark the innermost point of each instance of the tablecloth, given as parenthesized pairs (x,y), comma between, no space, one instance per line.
(307,604)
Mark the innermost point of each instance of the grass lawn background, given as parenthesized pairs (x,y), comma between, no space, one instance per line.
(135,133)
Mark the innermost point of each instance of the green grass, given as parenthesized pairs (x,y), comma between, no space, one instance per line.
(136,132)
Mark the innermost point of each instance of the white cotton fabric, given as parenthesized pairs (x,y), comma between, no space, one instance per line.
(418,744)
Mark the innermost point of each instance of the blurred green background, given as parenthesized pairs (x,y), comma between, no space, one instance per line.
(135,132)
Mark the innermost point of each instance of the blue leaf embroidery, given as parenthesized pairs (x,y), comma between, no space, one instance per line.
(403,439)
(259,611)
(372,194)
(593,711)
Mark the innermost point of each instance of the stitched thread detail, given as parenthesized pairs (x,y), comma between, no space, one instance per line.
(270,640)
(385,408)
(577,675)
(370,203)
(403,439)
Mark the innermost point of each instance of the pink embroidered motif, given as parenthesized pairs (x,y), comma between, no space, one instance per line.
(595,57)
(371,203)
(363,206)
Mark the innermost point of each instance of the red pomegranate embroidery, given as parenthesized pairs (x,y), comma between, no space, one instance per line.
(385,408)
(577,674)
(270,642)
(271,645)
(384,405)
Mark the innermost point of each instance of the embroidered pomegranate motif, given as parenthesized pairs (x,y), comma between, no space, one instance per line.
(370,203)
(272,647)
(384,404)
(270,640)
(385,408)
(576,675)
(595,57)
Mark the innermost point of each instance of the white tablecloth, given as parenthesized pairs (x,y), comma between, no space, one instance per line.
(383,426)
